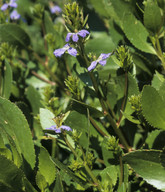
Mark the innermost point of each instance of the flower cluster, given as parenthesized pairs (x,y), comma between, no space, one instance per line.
(82,33)
(55,9)
(101,60)
(12,3)
(14,15)
(58,129)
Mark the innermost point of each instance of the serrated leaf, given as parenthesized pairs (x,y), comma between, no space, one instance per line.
(7,81)
(148,165)
(41,182)
(58,184)
(136,33)
(157,80)
(14,35)
(152,16)
(14,123)
(162,90)
(153,107)
(12,177)
(110,174)
(46,166)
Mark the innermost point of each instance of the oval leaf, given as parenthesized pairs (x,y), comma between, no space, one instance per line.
(14,123)
(136,33)
(14,35)
(148,165)
(153,107)
(152,16)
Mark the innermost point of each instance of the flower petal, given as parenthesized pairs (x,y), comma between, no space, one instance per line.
(55,9)
(58,130)
(92,66)
(103,62)
(15,15)
(104,56)
(4,7)
(83,33)
(12,3)
(53,127)
(59,52)
(66,127)
(75,37)
(68,37)
(72,51)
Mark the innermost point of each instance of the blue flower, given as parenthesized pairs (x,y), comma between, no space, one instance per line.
(68,48)
(83,33)
(101,60)
(55,9)
(12,3)
(15,15)
(58,129)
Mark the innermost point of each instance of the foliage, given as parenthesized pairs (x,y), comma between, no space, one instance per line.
(82,96)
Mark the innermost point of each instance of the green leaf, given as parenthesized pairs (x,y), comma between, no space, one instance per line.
(14,35)
(58,184)
(65,169)
(7,80)
(157,80)
(46,118)
(14,123)
(101,43)
(162,90)
(34,98)
(153,107)
(110,174)
(48,23)
(147,164)
(41,182)
(152,16)
(136,33)
(99,7)
(82,108)
(46,166)
(12,177)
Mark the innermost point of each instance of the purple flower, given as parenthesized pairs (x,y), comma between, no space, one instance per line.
(83,33)
(70,50)
(12,3)
(15,15)
(58,129)
(101,60)
(55,9)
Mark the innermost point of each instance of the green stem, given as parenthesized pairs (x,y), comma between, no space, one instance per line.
(88,170)
(124,100)
(97,127)
(109,117)
(121,171)
(53,148)
(95,85)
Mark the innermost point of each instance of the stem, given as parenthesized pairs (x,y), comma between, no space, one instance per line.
(88,170)
(97,127)
(121,171)
(109,117)
(53,148)
(124,100)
